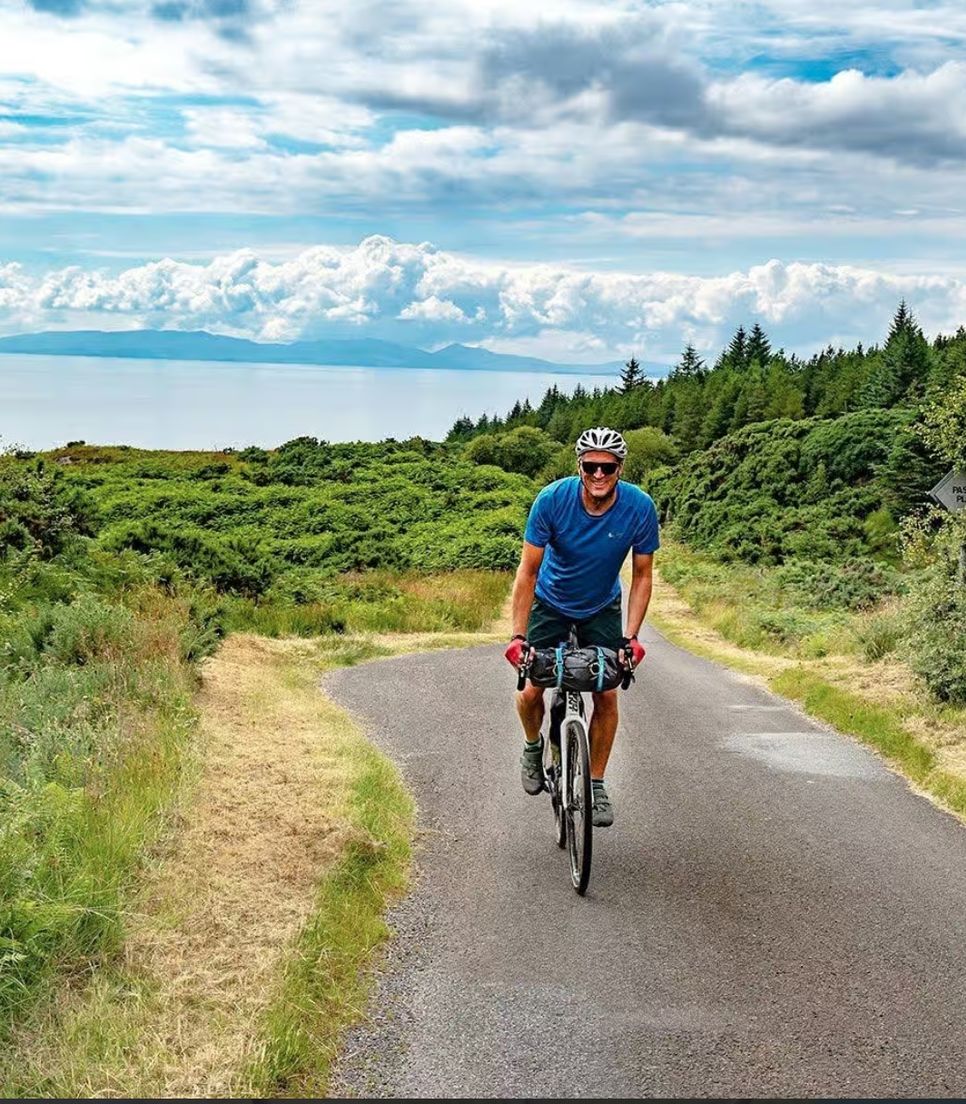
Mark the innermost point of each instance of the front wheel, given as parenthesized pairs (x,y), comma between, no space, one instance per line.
(578,804)
(552,773)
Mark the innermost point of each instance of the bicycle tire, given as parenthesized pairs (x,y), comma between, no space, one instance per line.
(552,772)
(553,769)
(578,804)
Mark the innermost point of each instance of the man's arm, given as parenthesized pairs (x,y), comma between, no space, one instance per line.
(639,596)
(524,586)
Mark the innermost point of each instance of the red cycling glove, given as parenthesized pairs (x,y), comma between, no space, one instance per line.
(516,650)
(637,649)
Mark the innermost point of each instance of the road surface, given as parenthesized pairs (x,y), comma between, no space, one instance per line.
(773,913)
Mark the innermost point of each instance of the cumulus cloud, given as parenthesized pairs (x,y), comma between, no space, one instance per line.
(911,117)
(433,309)
(415,292)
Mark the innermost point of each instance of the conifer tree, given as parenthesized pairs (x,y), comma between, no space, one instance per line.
(689,365)
(632,376)
(462,429)
(758,347)
(737,354)
(903,368)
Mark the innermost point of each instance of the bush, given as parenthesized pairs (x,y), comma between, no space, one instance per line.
(89,629)
(647,449)
(855,584)
(39,511)
(525,450)
(938,640)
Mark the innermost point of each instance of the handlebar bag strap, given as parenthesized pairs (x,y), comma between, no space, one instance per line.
(559,666)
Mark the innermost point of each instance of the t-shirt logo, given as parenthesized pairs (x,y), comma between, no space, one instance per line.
(614,533)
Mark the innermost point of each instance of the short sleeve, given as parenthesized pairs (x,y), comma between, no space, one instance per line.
(538,531)
(646,537)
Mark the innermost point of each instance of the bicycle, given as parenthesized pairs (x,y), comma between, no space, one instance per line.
(566,751)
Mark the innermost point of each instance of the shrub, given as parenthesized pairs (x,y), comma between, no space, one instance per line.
(647,449)
(855,584)
(89,629)
(525,450)
(938,639)
(879,634)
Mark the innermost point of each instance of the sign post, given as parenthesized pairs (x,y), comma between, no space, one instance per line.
(950,492)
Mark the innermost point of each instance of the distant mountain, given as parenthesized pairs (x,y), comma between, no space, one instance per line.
(199,345)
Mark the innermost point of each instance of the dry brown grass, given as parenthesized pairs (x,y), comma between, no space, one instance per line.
(222,906)
(399,643)
(241,877)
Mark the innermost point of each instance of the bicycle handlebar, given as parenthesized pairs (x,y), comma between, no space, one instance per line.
(523,671)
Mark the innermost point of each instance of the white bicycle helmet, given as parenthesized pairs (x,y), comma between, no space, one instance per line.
(601,439)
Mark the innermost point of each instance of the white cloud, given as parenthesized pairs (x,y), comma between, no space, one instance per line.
(416,292)
(433,310)
(222,128)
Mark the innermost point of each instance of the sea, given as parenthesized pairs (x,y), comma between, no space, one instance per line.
(47,401)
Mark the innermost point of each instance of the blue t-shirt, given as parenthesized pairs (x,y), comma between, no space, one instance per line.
(580,571)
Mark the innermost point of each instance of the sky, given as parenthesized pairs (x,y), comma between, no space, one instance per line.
(574,180)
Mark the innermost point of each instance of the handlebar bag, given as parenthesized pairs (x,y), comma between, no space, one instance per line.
(583,669)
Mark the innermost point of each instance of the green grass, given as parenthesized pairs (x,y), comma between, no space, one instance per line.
(800,610)
(95,721)
(308,604)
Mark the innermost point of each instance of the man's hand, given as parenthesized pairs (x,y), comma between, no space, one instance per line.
(516,650)
(636,650)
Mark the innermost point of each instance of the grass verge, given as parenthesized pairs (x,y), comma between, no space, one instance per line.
(245,952)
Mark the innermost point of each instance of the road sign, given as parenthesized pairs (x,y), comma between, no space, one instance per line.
(950,491)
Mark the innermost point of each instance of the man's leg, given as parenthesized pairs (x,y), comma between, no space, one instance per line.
(603,629)
(544,629)
(603,729)
(530,707)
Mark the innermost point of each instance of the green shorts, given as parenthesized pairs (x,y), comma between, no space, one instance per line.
(547,628)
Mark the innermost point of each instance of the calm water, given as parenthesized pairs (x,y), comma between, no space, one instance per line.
(46,401)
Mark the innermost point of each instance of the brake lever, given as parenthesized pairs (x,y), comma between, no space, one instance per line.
(628,677)
(522,672)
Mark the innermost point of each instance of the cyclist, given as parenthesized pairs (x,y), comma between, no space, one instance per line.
(578,534)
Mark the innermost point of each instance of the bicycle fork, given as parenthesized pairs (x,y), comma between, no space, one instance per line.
(572,711)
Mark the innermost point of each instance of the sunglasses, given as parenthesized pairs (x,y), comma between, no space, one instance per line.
(588,467)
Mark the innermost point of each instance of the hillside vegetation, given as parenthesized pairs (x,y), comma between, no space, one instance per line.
(120,569)
(794,508)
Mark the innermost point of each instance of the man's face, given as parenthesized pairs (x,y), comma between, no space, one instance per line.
(597,483)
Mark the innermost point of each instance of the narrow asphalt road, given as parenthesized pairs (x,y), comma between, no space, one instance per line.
(774,913)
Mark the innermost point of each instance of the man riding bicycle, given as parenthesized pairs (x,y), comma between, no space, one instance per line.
(578,534)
